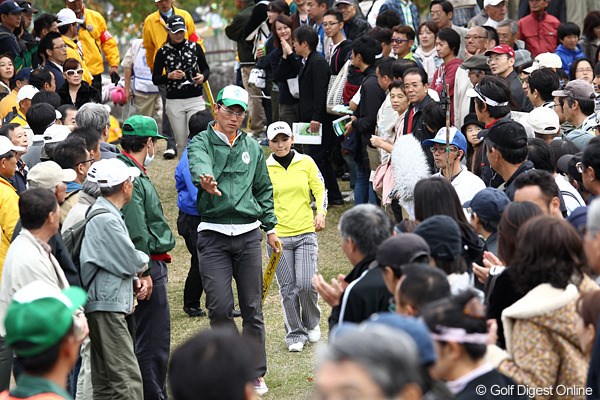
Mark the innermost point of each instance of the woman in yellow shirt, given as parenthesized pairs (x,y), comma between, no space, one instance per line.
(294,177)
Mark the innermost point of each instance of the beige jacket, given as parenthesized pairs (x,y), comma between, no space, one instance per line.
(27,261)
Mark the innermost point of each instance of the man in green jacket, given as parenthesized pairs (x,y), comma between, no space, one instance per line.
(150,233)
(235,199)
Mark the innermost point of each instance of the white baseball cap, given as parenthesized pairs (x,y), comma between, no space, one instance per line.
(111,172)
(492,2)
(56,133)
(66,16)
(278,127)
(544,60)
(6,145)
(543,121)
(26,92)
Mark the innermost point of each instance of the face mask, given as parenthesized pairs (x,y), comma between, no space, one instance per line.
(149,158)
(167,14)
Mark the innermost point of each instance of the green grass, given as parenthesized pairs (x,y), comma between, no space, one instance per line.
(289,375)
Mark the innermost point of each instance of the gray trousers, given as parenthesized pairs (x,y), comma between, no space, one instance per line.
(297,266)
(166,124)
(115,370)
(6,362)
(223,258)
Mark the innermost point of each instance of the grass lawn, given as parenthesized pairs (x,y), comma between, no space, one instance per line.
(289,375)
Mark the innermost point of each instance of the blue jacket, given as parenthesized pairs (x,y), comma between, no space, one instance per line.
(187,193)
(568,56)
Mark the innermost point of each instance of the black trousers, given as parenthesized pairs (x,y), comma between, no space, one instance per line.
(322,155)
(187,226)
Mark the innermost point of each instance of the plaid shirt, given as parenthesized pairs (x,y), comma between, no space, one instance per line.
(463,15)
(395,6)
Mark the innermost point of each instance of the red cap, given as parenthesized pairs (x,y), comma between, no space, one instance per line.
(501,49)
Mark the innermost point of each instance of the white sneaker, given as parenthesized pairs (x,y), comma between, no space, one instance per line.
(296,347)
(260,387)
(314,335)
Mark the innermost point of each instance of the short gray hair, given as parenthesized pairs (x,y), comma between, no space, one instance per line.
(367,226)
(388,355)
(509,22)
(593,216)
(94,116)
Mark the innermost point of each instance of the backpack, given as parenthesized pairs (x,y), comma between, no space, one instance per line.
(9,117)
(73,238)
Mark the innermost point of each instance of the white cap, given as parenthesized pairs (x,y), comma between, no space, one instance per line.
(26,92)
(278,127)
(543,120)
(492,2)
(66,16)
(544,60)
(56,133)
(111,172)
(6,145)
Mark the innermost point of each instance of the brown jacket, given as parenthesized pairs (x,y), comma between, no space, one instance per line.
(542,349)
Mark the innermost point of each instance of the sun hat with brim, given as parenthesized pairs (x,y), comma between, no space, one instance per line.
(39,317)
(48,174)
(278,127)
(10,7)
(6,145)
(233,96)
(456,139)
(139,125)
(111,172)
(176,23)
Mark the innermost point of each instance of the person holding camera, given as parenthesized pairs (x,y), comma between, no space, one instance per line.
(180,64)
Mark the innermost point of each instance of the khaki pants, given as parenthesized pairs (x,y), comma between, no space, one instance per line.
(180,111)
(148,104)
(255,108)
(115,370)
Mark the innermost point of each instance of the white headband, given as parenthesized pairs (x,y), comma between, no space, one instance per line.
(458,335)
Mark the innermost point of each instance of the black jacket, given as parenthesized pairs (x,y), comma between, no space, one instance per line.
(368,296)
(356,27)
(282,71)
(185,56)
(85,94)
(490,380)
(522,102)
(313,79)
(8,43)
(354,274)
(371,98)
(419,130)
(340,55)
(501,294)
(509,186)
(235,31)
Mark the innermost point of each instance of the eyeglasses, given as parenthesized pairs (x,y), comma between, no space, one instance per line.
(398,40)
(413,86)
(62,46)
(232,113)
(326,24)
(474,37)
(450,149)
(91,161)
(491,60)
(71,72)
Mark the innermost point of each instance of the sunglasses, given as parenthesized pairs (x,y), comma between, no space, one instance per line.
(71,72)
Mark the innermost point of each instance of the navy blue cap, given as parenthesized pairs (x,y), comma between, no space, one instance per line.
(23,74)
(578,218)
(488,204)
(10,7)
(443,236)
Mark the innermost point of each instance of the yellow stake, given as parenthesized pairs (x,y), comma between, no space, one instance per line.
(270,270)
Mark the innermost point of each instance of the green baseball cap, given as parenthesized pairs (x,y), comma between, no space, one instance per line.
(139,125)
(39,316)
(233,95)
